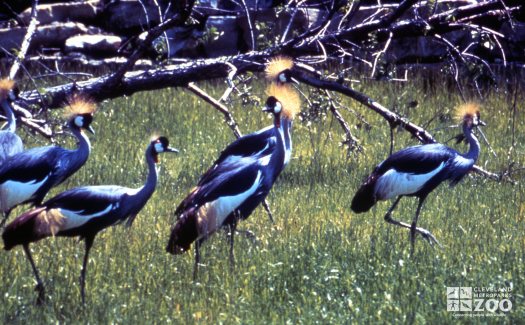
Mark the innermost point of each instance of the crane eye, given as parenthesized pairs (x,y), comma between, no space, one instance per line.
(159,147)
(277,108)
(79,121)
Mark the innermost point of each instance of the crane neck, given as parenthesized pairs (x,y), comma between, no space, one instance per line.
(287,137)
(474,147)
(11,120)
(81,154)
(146,191)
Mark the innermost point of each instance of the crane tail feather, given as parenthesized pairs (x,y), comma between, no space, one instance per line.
(365,198)
(184,233)
(31,226)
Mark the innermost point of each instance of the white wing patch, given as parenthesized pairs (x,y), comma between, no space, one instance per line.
(74,219)
(265,160)
(213,214)
(13,193)
(393,183)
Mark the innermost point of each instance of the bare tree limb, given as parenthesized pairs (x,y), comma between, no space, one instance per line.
(218,106)
(25,43)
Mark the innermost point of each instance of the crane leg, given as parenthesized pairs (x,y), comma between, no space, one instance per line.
(425,233)
(231,235)
(197,258)
(267,208)
(89,243)
(413,227)
(5,216)
(39,284)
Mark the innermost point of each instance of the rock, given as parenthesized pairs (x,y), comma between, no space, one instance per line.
(63,12)
(94,45)
(56,34)
(52,35)
(130,16)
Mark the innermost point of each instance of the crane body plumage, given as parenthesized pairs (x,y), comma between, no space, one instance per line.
(84,211)
(417,171)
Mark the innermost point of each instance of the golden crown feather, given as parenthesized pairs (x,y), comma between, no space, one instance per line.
(469,109)
(6,85)
(79,104)
(288,97)
(276,66)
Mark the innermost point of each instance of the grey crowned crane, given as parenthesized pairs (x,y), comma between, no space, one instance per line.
(83,212)
(10,142)
(238,181)
(27,176)
(417,171)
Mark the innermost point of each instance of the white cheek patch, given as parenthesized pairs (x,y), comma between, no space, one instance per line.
(79,121)
(159,147)
(282,78)
(278,107)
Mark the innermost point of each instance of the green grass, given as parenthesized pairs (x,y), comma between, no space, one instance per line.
(320,262)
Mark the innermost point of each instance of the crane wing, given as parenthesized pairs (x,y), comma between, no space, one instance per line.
(421,159)
(227,179)
(29,166)
(248,145)
(88,201)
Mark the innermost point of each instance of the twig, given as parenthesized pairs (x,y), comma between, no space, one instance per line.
(229,80)
(250,25)
(218,106)
(350,140)
(25,43)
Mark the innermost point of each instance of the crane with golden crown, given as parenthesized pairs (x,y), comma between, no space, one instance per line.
(27,176)
(417,171)
(239,180)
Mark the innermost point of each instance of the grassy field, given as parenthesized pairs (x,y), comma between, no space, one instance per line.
(319,262)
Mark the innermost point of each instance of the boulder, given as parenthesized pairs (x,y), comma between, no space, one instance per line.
(94,45)
(62,12)
(52,35)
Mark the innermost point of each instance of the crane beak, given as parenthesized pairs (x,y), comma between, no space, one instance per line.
(170,149)
(267,109)
(480,122)
(91,130)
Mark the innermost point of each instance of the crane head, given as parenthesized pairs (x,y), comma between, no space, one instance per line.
(159,145)
(79,110)
(279,70)
(282,100)
(469,115)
